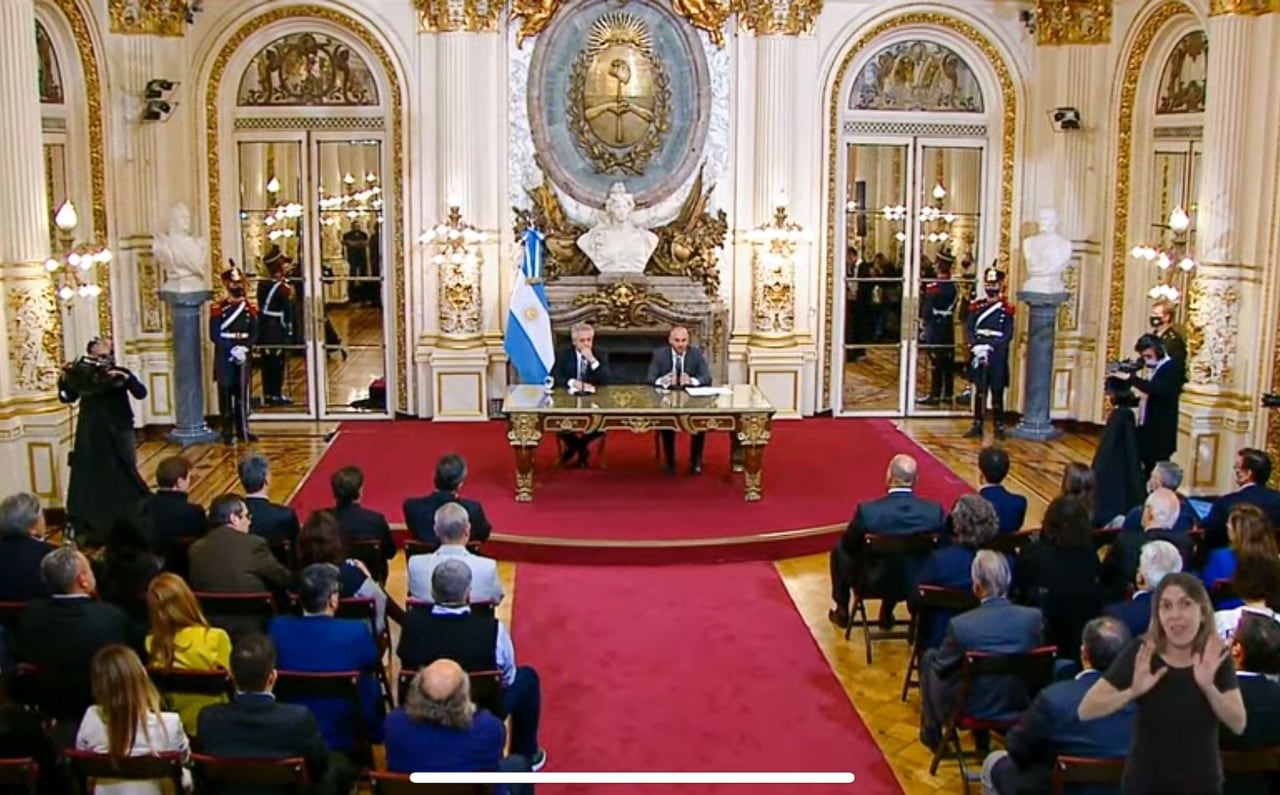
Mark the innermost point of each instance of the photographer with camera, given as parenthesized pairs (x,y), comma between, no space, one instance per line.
(1158,431)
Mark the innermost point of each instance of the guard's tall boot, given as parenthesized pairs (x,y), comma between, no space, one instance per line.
(979,401)
(997,410)
(225,415)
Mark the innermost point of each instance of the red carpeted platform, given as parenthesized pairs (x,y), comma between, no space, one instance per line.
(686,668)
(629,510)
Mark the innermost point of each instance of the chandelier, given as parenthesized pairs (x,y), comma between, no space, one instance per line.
(72,271)
(353,202)
(1171,255)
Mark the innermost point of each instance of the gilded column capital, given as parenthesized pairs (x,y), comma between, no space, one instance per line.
(1061,22)
(1243,8)
(453,16)
(150,17)
(777,17)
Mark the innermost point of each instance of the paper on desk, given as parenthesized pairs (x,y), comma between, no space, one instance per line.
(707,391)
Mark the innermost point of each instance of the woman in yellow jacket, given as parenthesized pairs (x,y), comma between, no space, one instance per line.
(182,638)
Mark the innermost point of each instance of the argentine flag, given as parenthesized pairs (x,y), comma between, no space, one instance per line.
(528,342)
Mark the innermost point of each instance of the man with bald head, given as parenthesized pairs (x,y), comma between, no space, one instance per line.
(1159,515)
(439,730)
(899,512)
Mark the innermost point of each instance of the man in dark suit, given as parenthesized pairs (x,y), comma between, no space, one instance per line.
(22,548)
(276,523)
(900,512)
(255,726)
(1252,471)
(993,463)
(61,634)
(995,626)
(1164,475)
(1051,727)
(420,512)
(1255,650)
(1156,561)
(676,366)
(168,516)
(231,560)
(359,523)
(1160,512)
(581,369)
(1158,431)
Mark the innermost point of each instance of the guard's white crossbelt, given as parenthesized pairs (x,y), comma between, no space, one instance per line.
(631,778)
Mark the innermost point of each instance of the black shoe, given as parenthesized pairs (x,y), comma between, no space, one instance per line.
(927,401)
(975,432)
(671,469)
(1000,432)
(584,457)
(695,468)
(228,438)
(249,437)
(568,454)
(839,618)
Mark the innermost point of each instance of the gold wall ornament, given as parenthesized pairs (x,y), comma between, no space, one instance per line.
(689,244)
(458,262)
(708,15)
(1213,320)
(524,430)
(773,289)
(1133,64)
(1244,8)
(836,193)
(1073,22)
(450,16)
(153,315)
(50,73)
(623,305)
(619,108)
(153,17)
(307,69)
(35,335)
(777,17)
(213,153)
(560,235)
(535,15)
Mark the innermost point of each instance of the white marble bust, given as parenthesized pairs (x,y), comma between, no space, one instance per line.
(1047,255)
(183,256)
(616,245)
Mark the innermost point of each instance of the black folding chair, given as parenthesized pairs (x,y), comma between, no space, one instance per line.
(480,608)
(892,560)
(280,775)
(366,609)
(10,613)
(87,766)
(1083,770)
(19,775)
(486,689)
(369,552)
(235,611)
(295,686)
(1252,771)
(183,681)
(1011,543)
(934,603)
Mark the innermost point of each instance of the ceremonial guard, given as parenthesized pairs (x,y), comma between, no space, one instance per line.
(275,305)
(233,327)
(989,330)
(938,332)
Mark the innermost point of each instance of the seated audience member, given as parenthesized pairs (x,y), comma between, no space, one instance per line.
(1255,650)
(1165,475)
(477,642)
(317,642)
(256,726)
(439,730)
(420,512)
(22,547)
(167,515)
(993,463)
(21,735)
(996,626)
(1156,561)
(1252,471)
(1120,565)
(900,512)
(357,522)
(321,542)
(127,568)
(1256,581)
(272,521)
(1118,467)
(1249,533)
(230,560)
(1058,573)
(974,522)
(1051,727)
(181,637)
(1079,483)
(126,720)
(60,635)
(453,530)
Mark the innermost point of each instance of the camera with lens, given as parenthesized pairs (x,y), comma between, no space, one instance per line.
(1129,366)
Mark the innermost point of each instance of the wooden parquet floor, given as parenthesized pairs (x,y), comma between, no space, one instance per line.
(875,689)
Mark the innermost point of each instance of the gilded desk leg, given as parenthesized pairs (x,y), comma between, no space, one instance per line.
(752,435)
(525,456)
(735,453)
(753,476)
(524,431)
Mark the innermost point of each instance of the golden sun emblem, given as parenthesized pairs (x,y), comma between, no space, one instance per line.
(531,313)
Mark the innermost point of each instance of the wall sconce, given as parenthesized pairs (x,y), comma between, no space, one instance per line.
(1171,255)
(773,295)
(71,270)
(458,259)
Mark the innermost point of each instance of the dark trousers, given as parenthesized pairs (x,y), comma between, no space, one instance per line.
(516,764)
(942,378)
(843,566)
(522,700)
(233,402)
(272,364)
(338,778)
(989,380)
(578,444)
(696,446)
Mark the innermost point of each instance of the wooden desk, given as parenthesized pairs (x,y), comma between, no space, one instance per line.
(745,414)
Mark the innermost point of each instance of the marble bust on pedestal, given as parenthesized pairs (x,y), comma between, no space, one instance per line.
(1047,255)
(617,245)
(182,255)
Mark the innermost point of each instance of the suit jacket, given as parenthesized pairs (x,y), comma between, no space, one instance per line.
(900,512)
(1051,728)
(695,364)
(996,626)
(60,636)
(1064,584)
(20,568)
(566,368)
(1262,730)
(1158,433)
(420,515)
(1121,563)
(1215,524)
(1010,508)
(359,523)
(168,516)
(272,521)
(1186,518)
(227,561)
(1134,612)
(256,725)
(417,746)
(485,585)
(947,567)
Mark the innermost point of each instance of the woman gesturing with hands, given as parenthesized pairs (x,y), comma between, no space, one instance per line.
(1184,685)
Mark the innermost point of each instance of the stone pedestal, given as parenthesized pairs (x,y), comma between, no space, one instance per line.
(1038,388)
(188,373)
(460,384)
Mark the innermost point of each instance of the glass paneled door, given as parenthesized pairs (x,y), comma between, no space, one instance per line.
(911,242)
(311,214)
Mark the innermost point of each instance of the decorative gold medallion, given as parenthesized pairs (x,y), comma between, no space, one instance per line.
(619,96)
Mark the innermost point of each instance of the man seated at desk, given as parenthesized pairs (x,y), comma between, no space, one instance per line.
(580,369)
(676,366)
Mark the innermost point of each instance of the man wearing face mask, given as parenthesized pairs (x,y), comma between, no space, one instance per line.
(1158,431)
(988,330)
(1162,326)
(233,327)
(105,484)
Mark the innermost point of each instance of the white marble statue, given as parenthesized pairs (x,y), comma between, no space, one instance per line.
(183,256)
(616,245)
(1047,255)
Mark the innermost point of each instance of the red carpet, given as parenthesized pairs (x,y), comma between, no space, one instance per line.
(686,668)
(815,471)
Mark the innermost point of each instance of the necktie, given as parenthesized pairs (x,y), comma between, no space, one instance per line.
(582,367)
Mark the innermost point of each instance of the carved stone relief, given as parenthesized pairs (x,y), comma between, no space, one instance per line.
(307,69)
(1183,81)
(35,336)
(154,17)
(916,75)
(1073,21)
(1212,324)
